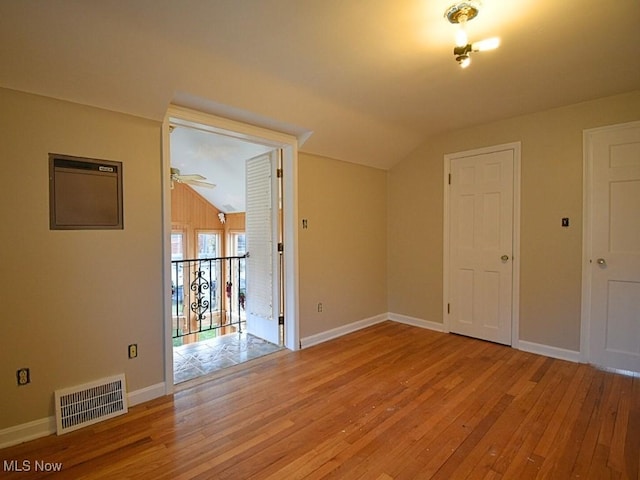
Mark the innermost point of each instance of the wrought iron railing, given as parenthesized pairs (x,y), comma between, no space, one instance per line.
(208,294)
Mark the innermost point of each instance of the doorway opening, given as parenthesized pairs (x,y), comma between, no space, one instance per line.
(232,297)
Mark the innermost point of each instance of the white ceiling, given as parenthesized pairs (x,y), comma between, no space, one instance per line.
(371,79)
(220,159)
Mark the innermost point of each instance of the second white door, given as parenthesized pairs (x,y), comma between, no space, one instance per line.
(481,208)
(613,271)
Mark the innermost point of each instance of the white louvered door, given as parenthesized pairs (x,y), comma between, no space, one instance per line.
(263,296)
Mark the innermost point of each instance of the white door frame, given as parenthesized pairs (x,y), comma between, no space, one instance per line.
(289,145)
(515,300)
(587,245)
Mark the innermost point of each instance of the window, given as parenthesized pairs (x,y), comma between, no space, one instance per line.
(209,268)
(208,244)
(238,244)
(238,248)
(177,273)
(177,246)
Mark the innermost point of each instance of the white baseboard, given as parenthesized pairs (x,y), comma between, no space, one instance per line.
(47,426)
(340,331)
(531,347)
(549,351)
(145,394)
(27,431)
(416,322)
(367,322)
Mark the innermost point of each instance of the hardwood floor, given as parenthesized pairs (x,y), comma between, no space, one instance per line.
(388,402)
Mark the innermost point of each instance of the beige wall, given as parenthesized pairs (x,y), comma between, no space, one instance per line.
(342,252)
(73,300)
(551,188)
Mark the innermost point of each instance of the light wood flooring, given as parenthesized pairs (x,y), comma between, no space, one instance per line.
(388,402)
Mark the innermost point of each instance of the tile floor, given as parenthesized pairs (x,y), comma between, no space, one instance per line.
(196,359)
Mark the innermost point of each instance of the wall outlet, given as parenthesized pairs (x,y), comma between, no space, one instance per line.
(23,376)
(320,307)
(133,350)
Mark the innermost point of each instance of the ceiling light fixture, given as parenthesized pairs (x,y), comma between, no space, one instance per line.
(459,14)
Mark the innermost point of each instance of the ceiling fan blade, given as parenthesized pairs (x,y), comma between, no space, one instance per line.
(190,177)
(200,183)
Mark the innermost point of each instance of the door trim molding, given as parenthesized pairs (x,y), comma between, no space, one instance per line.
(289,145)
(587,246)
(515,300)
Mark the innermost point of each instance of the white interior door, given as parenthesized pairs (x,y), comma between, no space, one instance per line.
(613,185)
(481,207)
(261,230)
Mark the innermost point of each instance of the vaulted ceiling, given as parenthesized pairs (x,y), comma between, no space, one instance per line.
(370,79)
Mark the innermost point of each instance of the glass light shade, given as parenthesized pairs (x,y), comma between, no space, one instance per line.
(487,44)
(461,36)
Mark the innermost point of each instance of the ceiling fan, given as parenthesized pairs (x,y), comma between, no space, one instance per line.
(191,179)
(459,14)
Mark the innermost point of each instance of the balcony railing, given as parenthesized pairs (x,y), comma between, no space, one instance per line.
(208,294)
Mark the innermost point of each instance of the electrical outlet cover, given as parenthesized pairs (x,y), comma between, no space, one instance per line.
(23,376)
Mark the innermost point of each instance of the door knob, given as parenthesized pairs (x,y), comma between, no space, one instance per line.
(504,258)
(601,261)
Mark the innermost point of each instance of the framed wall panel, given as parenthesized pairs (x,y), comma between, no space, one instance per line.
(84,193)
